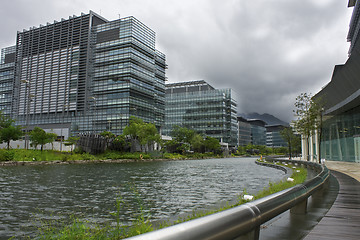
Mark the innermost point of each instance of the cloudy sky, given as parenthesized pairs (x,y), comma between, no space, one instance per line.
(267,51)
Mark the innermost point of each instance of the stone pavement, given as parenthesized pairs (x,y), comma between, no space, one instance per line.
(350,168)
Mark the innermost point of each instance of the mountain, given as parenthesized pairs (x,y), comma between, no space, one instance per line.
(268,118)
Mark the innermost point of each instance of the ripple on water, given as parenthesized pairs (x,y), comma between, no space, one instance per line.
(163,189)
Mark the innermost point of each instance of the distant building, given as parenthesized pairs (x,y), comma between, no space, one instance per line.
(199,106)
(83,74)
(244,129)
(273,136)
(258,132)
(340,138)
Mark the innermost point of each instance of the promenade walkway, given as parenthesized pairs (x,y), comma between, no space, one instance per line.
(342,221)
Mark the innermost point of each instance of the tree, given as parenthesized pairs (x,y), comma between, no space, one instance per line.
(197,143)
(5,121)
(52,137)
(182,134)
(144,134)
(288,135)
(10,133)
(71,141)
(38,136)
(108,136)
(212,144)
(308,112)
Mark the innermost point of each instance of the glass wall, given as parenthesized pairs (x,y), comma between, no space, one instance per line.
(340,139)
(209,112)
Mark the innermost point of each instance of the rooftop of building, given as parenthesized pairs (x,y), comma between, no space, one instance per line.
(195,83)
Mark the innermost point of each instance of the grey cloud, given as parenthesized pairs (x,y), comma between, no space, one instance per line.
(267,51)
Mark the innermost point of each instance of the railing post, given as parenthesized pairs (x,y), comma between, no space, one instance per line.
(300,208)
(253,235)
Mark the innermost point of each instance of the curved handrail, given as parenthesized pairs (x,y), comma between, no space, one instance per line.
(240,220)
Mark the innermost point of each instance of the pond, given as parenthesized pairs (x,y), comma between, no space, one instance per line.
(89,191)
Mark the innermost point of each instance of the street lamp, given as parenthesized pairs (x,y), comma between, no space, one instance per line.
(27,113)
(109,122)
(62,126)
(95,114)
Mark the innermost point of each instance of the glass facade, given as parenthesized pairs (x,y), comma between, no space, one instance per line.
(197,105)
(129,75)
(244,132)
(340,135)
(7,68)
(84,74)
(340,139)
(274,138)
(258,132)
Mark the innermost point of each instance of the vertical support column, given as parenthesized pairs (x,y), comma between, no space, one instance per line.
(253,235)
(301,208)
(311,150)
(304,148)
(317,146)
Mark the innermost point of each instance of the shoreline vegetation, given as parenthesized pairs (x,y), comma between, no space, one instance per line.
(17,157)
(76,228)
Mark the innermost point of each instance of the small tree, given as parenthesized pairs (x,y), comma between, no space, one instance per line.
(288,135)
(197,143)
(212,144)
(308,111)
(182,134)
(71,141)
(109,136)
(10,133)
(38,136)
(144,134)
(52,137)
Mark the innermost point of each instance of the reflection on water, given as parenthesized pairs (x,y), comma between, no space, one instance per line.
(89,190)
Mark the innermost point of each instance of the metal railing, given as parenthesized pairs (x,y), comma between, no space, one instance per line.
(244,221)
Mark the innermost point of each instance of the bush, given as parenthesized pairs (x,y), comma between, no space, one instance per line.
(6,155)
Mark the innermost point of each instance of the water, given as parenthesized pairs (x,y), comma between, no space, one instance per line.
(89,191)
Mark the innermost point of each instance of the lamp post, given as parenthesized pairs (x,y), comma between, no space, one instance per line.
(320,132)
(27,113)
(94,99)
(62,125)
(109,123)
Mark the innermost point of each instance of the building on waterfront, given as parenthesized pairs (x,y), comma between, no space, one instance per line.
(7,70)
(199,106)
(340,138)
(83,74)
(244,130)
(258,132)
(273,136)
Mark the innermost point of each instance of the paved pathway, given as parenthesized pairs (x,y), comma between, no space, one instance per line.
(342,221)
(350,168)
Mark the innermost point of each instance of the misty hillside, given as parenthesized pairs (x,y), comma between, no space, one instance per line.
(268,118)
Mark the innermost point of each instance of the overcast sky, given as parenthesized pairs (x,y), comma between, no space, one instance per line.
(267,51)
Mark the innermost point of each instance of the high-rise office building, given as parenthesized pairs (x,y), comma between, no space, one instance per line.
(199,106)
(83,74)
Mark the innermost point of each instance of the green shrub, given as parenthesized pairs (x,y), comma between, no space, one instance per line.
(86,156)
(6,155)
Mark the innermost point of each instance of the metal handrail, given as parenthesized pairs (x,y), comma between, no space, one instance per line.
(243,219)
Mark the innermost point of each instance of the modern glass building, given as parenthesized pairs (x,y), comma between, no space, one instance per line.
(199,106)
(340,138)
(273,136)
(244,129)
(83,74)
(7,70)
(258,132)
